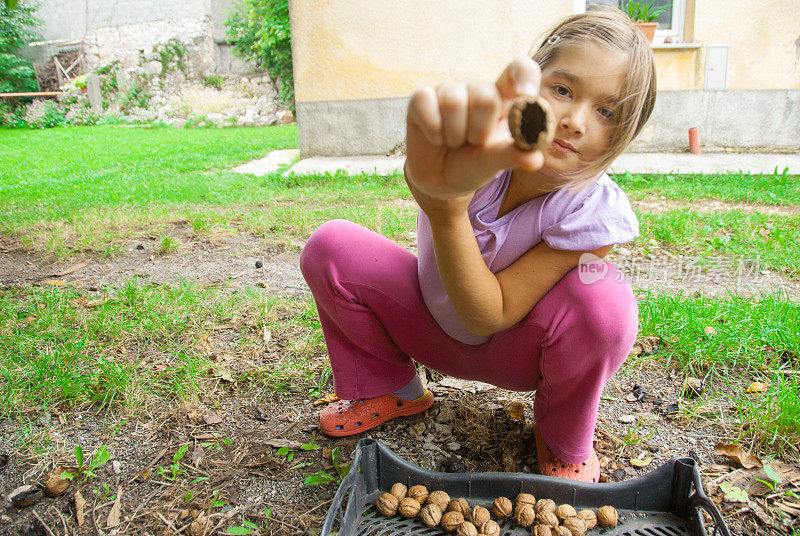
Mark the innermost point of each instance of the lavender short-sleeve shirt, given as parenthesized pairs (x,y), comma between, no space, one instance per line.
(596,216)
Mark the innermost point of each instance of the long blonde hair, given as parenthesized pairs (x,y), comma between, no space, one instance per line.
(611,28)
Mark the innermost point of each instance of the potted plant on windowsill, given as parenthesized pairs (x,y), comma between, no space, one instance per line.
(643,13)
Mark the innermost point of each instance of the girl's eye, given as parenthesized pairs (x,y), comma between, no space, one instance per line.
(607,114)
(561,90)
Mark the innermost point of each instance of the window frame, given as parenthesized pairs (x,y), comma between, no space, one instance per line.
(677,31)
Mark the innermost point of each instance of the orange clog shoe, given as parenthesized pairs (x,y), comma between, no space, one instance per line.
(350,417)
(552,465)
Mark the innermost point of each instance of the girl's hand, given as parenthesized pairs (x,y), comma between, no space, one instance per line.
(458,139)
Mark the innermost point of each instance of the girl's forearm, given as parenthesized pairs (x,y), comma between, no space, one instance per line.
(472,288)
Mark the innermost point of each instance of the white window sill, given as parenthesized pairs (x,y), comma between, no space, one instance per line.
(673,46)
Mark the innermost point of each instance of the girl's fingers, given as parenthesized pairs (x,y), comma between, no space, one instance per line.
(453,101)
(521,77)
(424,114)
(484,111)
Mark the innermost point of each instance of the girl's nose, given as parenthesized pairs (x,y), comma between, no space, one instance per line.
(574,121)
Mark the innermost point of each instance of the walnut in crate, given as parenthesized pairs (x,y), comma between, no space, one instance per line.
(399,490)
(524,498)
(490,528)
(524,516)
(409,507)
(502,507)
(479,515)
(451,521)
(545,505)
(467,529)
(561,531)
(576,526)
(547,518)
(542,530)
(430,515)
(589,517)
(387,504)
(440,499)
(459,505)
(564,511)
(607,517)
(420,493)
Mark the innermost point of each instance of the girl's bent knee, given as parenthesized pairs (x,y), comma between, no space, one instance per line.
(324,244)
(607,306)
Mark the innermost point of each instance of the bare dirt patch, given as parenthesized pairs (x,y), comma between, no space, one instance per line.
(661,204)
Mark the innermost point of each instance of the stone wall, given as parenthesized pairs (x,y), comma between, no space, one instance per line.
(126,30)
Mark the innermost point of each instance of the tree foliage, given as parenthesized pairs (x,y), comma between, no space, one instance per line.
(259,31)
(16,30)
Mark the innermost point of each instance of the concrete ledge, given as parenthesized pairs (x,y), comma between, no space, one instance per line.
(269,164)
(662,163)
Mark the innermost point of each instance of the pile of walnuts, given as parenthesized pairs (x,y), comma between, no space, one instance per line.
(541,516)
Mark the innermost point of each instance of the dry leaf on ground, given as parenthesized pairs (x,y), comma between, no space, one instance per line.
(516,410)
(279,443)
(80,503)
(737,454)
(113,515)
(212,418)
(326,399)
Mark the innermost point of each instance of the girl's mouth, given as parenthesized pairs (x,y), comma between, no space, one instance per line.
(561,146)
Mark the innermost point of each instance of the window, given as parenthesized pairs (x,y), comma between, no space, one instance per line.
(670,23)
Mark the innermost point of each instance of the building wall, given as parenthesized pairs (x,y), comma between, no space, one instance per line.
(356,62)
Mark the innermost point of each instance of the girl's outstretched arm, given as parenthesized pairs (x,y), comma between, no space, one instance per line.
(457,140)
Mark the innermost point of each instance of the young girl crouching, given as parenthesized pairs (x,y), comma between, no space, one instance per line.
(509,286)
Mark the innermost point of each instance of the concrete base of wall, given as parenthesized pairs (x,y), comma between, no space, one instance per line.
(352,127)
(740,119)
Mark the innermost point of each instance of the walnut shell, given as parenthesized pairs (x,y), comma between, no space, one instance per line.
(524,498)
(532,123)
(576,525)
(430,515)
(490,528)
(399,490)
(467,529)
(440,499)
(420,493)
(564,511)
(502,507)
(589,517)
(459,505)
(547,518)
(607,517)
(525,516)
(479,515)
(451,521)
(542,530)
(409,507)
(387,504)
(561,531)
(545,505)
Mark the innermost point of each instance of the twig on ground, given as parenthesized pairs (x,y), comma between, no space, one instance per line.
(47,528)
(167,522)
(63,523)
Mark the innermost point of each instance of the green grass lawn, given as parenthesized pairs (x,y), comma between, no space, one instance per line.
(77,189)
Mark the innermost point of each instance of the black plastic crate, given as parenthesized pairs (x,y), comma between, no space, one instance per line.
(669,501)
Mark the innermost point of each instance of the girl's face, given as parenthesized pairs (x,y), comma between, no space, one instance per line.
(583,87)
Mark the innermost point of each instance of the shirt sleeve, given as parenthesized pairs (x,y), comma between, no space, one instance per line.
(602,218)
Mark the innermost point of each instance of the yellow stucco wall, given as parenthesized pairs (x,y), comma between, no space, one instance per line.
(763,39)
(369,49)
(366,49)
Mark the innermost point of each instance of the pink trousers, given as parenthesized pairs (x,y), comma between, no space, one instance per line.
(376,325)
